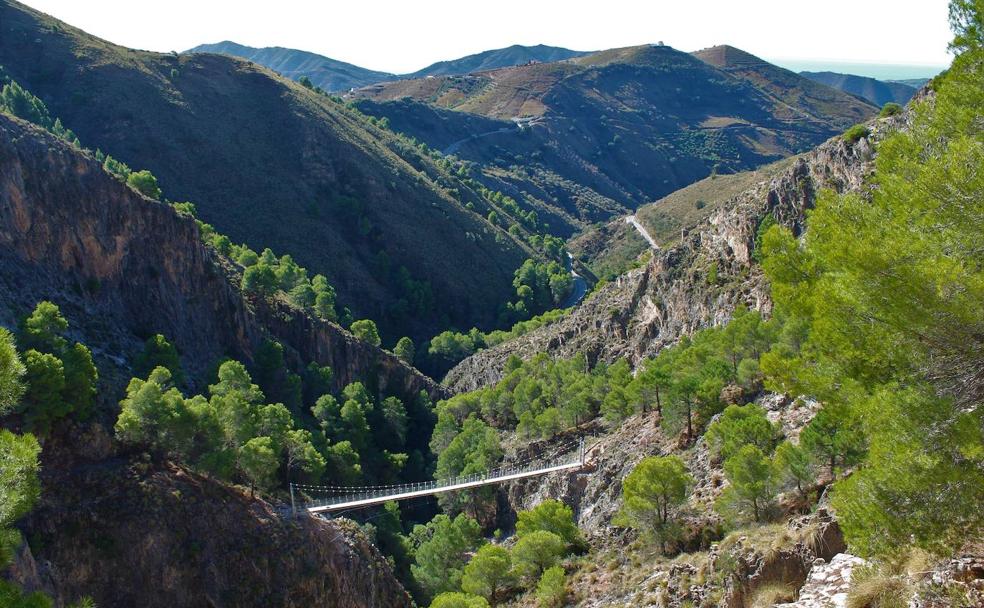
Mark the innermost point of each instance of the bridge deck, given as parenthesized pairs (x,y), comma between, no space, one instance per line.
(437,489)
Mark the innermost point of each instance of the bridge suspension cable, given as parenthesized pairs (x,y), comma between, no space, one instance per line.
(323,498)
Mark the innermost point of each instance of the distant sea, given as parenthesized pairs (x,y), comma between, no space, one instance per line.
(881,71)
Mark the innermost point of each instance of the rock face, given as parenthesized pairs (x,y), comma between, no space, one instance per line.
(123,267)
(697,283)
(828,583)
(128,532)
(131,532)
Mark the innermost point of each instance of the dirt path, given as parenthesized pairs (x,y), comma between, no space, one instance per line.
(645,234)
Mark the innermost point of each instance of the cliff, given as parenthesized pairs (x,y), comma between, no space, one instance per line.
(696,283)
(130,532)
(123,267)
(116,526)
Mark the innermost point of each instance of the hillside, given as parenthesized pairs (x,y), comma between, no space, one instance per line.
(273,164)
(875,91)
(122,267)
(676,292)
(329,74)
(603,133)
(516,54)
(611,249)
(795,96)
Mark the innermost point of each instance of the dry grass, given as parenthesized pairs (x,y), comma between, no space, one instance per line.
(772,594)
(879,586)
(689,206)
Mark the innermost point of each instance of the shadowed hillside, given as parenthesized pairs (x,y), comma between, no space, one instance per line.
(276,165)
(875,91)
(329,74)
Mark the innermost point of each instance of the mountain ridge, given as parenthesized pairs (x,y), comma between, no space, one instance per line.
(329,74)
(598,135)
(336,76)
(878,92)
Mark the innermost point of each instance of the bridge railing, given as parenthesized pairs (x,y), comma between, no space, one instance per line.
(305,494)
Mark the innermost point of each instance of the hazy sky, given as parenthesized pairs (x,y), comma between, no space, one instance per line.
(405,35)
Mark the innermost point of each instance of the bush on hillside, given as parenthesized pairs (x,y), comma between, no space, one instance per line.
(855,133)
(890,109)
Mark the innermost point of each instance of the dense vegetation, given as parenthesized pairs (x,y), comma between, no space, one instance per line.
(450,347)
(235,433)
(19,484)
(906,366)
(444,571)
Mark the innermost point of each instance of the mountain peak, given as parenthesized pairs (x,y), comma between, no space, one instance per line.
(725,56)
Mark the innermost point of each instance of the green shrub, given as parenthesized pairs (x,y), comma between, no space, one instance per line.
(890,109)
(145,183)
(855,133)
(551,591)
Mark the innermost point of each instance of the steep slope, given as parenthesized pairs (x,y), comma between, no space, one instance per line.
(329,74)
(276,165)
(123,267)
(115,525)
(603,133)
(127,532)
(516,54)
(694,284)
(795,96)
(610,249)
(875,91)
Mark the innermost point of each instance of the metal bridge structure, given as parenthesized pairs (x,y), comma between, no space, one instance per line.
(325,500)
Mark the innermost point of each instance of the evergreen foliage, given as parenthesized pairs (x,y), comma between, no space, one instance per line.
(158,352)
(489,573)
(535,552)
(752,478)
(366,331)
(441,550)
(651,497)
(145,183)
(61,377)
(551,591)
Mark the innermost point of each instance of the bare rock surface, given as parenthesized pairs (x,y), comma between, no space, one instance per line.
(828,583)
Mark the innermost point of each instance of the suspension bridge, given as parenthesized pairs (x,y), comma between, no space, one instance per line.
(328,499)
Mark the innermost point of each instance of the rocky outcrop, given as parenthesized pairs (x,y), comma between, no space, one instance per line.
(738,572)
(611,452)
(695,284)
(131,532)
(123,267)
(828,583)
